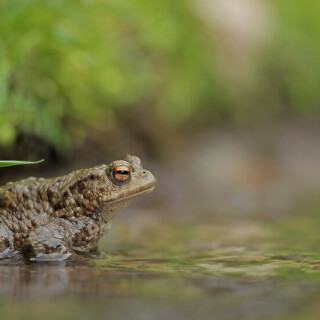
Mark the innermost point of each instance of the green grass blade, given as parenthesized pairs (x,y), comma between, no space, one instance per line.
(9,163)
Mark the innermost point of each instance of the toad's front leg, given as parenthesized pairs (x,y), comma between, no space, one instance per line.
(51,241)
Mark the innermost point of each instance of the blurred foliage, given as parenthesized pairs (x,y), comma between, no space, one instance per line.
(70,68)
(70,65)
(292,65)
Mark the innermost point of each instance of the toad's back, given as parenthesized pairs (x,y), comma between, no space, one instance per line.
(26,204)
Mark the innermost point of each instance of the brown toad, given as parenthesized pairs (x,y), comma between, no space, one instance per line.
(48,219)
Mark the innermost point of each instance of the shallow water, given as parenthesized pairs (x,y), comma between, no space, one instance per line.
(248,268)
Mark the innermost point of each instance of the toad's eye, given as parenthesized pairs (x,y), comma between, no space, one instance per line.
(122,174)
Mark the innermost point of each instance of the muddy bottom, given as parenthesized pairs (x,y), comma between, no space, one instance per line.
(166,268)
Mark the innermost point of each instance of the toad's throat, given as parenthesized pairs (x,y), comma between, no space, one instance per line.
(110,208)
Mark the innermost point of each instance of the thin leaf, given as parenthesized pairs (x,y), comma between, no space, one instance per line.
(9,163)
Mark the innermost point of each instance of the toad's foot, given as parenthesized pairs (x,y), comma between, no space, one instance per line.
(48,242)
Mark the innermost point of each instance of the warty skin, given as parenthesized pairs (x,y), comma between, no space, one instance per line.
(49,219)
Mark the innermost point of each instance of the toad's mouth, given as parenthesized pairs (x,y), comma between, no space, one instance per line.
(133,195)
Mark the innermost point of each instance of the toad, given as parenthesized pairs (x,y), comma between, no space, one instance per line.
(49,219)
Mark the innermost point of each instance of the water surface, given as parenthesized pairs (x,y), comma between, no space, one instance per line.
(248,268)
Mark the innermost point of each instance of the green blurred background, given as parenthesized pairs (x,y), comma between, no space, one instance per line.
(221,100)
(119,73)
